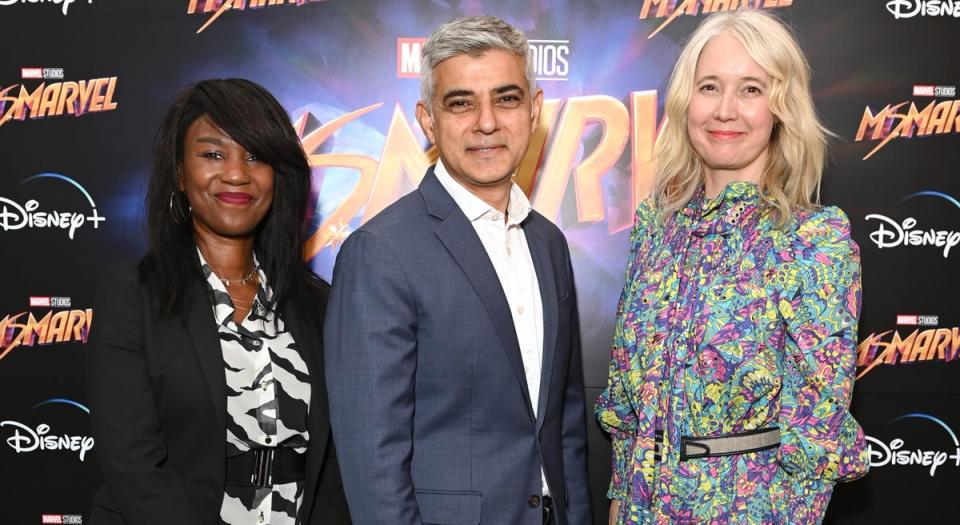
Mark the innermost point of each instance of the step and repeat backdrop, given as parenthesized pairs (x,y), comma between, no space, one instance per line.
(84,84)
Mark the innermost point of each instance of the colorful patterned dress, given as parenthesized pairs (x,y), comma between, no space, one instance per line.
(728,324)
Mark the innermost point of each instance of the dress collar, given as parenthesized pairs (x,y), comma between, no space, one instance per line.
(726,211)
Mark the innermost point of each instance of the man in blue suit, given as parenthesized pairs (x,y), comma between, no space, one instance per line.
(452,339)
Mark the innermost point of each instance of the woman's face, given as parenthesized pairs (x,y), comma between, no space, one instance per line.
(729,119)
(229,189)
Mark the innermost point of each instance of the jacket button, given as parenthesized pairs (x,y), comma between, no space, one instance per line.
(533,501)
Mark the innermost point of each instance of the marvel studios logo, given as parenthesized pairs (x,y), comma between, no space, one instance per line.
(929,90)
(49,302)
(408,56)
(70,519)
(55,73)
(918,320)
(550,58)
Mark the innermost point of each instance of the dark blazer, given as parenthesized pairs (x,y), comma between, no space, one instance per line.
(157,394)
(428,397)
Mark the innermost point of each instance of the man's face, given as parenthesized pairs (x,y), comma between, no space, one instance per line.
(481,117)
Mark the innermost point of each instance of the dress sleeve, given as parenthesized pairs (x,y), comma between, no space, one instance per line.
(613,408)
(820,307)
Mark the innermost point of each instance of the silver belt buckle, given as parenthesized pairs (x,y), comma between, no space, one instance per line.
(262,475)
(742,443)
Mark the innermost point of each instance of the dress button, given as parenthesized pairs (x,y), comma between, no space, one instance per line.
(533,501)
(520,310)
(269,440)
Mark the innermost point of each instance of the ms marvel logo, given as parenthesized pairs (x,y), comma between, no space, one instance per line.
(895,121)
(55,99)
(26,329)
(219,7)
(673,9)
(893,347)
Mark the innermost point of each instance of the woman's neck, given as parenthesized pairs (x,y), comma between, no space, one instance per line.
(715,181)
(230,258)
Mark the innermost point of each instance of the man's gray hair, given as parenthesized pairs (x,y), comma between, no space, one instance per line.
(472,35)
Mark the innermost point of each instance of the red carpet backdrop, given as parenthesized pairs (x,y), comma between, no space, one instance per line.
(84,83)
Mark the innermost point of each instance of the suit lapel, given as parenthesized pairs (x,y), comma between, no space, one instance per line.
(540,253)
(461,240)
(206,343)
(310,351)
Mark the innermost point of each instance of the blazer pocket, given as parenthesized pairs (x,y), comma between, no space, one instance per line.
(449,507)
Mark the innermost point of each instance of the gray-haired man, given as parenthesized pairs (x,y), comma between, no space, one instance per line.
(452,339)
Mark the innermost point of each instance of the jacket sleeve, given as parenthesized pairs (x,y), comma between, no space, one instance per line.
(821,442)
(574,420)
(371,360)
(123,414)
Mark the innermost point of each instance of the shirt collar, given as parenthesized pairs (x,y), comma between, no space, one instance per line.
(518,206)
(223,305)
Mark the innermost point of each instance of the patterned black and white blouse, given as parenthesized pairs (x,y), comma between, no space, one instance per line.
(268,398)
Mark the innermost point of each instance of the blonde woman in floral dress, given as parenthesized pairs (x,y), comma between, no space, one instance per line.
(733,360)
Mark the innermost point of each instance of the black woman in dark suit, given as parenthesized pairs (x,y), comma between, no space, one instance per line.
(205,375)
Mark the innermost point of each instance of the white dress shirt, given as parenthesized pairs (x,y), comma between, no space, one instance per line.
(506,246)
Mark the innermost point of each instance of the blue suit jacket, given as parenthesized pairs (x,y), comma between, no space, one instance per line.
(428,397)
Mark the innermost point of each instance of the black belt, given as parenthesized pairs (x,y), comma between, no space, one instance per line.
(263,467)
(728,445)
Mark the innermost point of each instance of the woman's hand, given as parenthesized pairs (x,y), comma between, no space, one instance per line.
(614,512)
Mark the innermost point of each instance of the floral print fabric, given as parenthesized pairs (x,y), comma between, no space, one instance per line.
(729,324)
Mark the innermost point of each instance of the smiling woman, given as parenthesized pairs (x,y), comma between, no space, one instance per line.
(229,189)
(206,385)
(755,67)
(729,120)
(735,346)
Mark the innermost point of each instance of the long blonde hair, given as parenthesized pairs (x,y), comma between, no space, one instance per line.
(791,178)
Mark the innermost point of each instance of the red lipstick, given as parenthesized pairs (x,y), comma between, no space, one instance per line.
(235,198)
